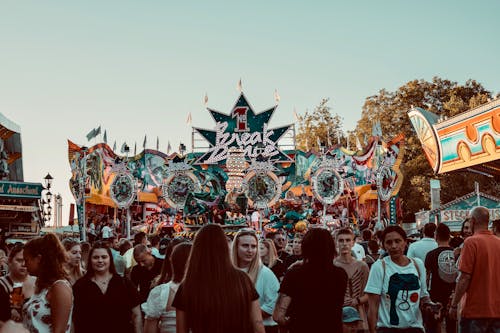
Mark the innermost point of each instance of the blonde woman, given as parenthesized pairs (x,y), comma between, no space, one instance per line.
(245,256)
(269,257)
(74,264)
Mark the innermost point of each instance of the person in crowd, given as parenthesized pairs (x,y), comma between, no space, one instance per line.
(105,301)
(15,287)
(357,275)
(269,257)
(158,310)
(91,232)
(118,260)
(296,251)
(166,270)
(396,288)
(85,246)
(4,266)
(441,276)
(280,241)
(465,232)
(420,248)
(367,236)
(496,227)
(215,296)
(74,265)
(318,307)
(155,246)
(478,280)
(49,308)
(357,249)
(107,231)
(373,253)
(245,256)
(139,238)
(147,269)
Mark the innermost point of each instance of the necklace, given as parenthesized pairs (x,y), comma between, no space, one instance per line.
(102,282)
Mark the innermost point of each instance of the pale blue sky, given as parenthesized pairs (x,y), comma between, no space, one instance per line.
(137,67)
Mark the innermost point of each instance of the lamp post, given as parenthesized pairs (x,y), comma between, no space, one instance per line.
(46,208)
(82,184)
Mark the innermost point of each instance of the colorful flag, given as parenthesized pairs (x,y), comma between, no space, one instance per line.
(91,135)
(169,148)
(358,144)
(205,100)
(114,146)
(296,115)
(135,148)
(239,87)
(189,119)
(144,143)
(157,143)
(98,130)
(277,97)
(105,137)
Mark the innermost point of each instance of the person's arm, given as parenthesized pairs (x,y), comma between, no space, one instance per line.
(181,321)
(60,298)
(282,304)
(460,289)
(373,304)
(256,318)
(151,325)
(269,296)
(137,319)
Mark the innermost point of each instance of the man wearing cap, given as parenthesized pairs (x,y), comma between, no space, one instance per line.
(478,283)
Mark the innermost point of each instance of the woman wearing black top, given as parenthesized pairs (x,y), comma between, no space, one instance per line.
(214,296)
(103,300)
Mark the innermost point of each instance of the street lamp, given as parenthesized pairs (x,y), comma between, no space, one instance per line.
(46,208)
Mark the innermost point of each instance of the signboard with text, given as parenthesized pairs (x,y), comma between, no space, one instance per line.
(20,190)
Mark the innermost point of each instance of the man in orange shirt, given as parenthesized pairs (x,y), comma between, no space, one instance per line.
(478,282)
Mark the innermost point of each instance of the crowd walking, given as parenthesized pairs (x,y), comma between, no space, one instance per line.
(255,283)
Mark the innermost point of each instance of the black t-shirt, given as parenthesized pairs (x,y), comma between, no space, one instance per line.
(142,277)
(4,302)
(230,326)
(291,259)
(435,261)
(317,297)
(96,312)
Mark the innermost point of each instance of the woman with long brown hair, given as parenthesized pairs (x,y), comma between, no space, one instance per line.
(49,309)
(215,296)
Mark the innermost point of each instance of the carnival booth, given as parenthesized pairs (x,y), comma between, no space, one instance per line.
(248,169)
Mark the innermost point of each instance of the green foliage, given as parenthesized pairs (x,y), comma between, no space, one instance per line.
(319,126)
(444,98)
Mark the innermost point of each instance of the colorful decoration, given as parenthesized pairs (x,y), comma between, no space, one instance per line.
(386,182)
(263,188)
(236,165)
(243,129)
(179,183)
(470,139)
(327,183)
(123,189)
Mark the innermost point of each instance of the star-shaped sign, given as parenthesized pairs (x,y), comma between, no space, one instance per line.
(246,130)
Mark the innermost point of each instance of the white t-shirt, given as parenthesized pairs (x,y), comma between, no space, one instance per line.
(419,249)
(359,251)
(107,232)
(405,284)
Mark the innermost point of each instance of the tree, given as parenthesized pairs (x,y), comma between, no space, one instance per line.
(320,126)
(444,98)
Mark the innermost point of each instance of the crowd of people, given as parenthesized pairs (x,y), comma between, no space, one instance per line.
(317,281)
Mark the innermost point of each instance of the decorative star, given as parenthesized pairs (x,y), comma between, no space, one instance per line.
(236,124)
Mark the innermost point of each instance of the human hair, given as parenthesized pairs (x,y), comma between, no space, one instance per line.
(224,297)
(393,228)
(100,245)
(139,237)
(272,254)
(429,230)
(481,215)
(180,255)
(166,268)
(14,251)
(345,231)
(52,259)
(496,226)
(85,253)
(124,245)
(139,249)
(466,220)
(367,235)
(255,264)
(373,246)
(318,247)
(74,272)
(154,240)
(442,233)
(68,243)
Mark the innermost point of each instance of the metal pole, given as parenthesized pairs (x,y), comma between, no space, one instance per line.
(83,177)
(129,217)
(378,209)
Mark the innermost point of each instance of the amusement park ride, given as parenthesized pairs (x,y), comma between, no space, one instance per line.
(247,167)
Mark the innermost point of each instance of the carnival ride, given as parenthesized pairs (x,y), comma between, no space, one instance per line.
(245,169)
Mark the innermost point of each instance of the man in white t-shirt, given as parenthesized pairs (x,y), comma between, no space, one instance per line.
(255,220)
(106,231)
(419,249)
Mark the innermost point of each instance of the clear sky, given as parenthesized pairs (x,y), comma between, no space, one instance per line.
(139,67)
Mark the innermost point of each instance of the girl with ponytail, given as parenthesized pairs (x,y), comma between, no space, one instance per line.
(49,309)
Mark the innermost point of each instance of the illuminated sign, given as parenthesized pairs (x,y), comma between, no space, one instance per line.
(243,129)
(20,190)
